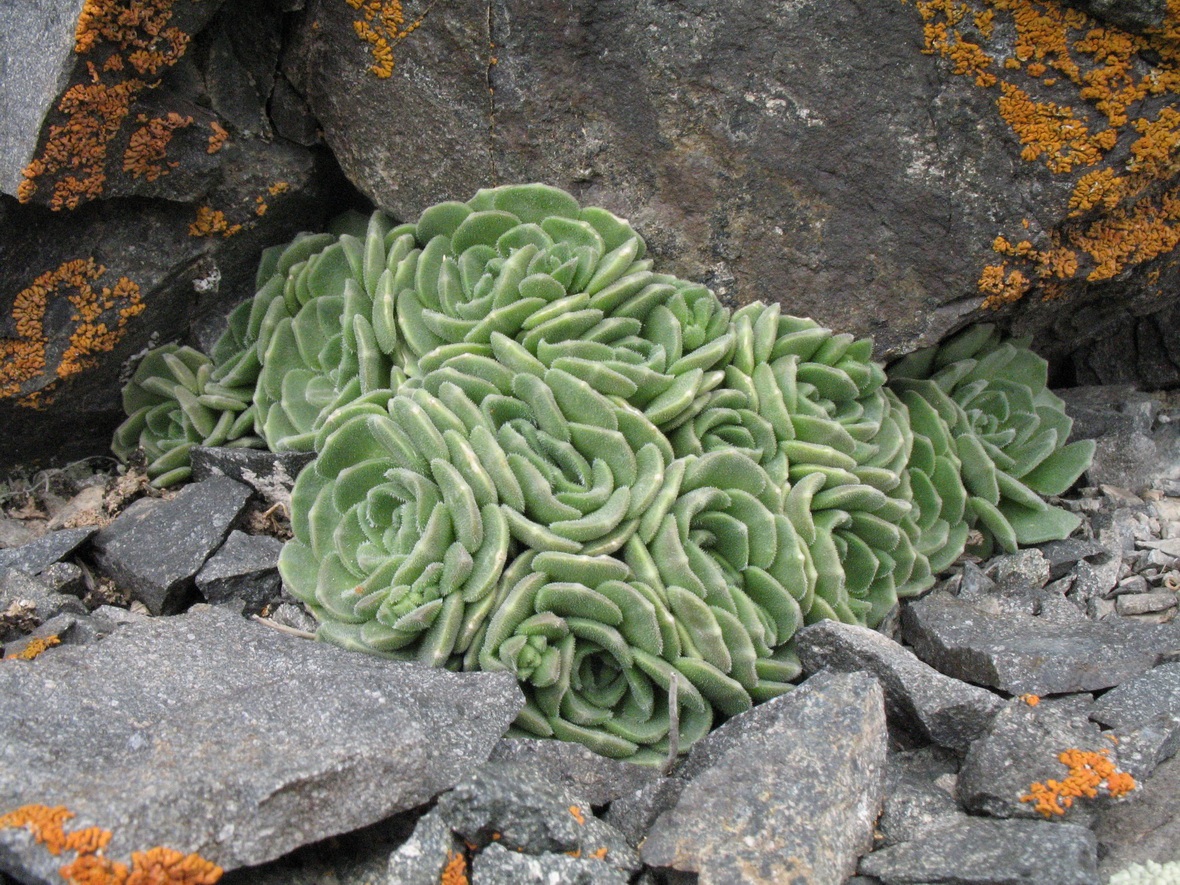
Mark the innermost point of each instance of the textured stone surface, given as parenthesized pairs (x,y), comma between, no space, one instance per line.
(423,857)
(594,779)
(36,556)
(156,548)
(496,865)
(1141,699)
(1021,748)
(209,733)
(916,802)
(633,815)
(990,852)
(26,602)
(246,568)
(1134,451)
(793,800)
(1144,827)
(1143,747)
(1023,654)
(270,474)
(917,697)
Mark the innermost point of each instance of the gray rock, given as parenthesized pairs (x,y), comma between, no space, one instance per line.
(1022,748)
(65,577)
(23,593)
(246,567)
(1022,654)
(271,474)
(1064,554)
(1145,603)
(209,733)
(1025,568)
(422,859)
(1133,450)
(1144,747)
(36,556)
(915,802)
(1133,15)
(157,549)
(974,584)
(1141,699)
(1132,584)
(496,865)
(593,779)
(1144,827)
(1095,577)
(991,852)
(633,815)
(796,798)
(514,805)
(917,697)
(290,614)
(69,628)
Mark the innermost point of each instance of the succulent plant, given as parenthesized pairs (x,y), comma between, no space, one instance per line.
(173,404)
(1008,429)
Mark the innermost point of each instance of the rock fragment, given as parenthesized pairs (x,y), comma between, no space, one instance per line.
(496,865)
(244,568)
(1141,699)
(592,778)
(36,556)
(919,796)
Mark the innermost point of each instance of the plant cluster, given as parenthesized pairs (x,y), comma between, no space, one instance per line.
(536,454)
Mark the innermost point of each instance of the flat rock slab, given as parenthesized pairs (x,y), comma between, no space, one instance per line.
(1155,693)
(499,866)
(155,550)
(1021,654)
(794,801)
(1146,826)
(208,733)
(916,802)
(246,567)
(38,555)
(918,698)
(991,852)
(582,773)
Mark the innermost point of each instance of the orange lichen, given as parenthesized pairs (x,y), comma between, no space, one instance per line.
(34,648)
(1122,211)
(157,866)
(1031,699)
(600,854)
(577,813)
(211,222)
(217,139)
(148,145)
(260,206)
(1088,772)
(279,187)
(455,872)
(100,315)
(382,26)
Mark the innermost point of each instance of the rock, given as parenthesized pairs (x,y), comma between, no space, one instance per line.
(1133,450)
(1143,747)
(593,779)
(1095,578)
(195,522)
(423,857)
(65,577)
(1134,15)
(85,507)
(633,815)
(26,602)
(1145,603)
(1141,699)
(68,628)
(291,615)
(1020,654)
(208,733)
(917,697)
(271,474)
(36,556)
(1146,826)
(1025,568)
(1133,584)
(795,798)
(245,568)
(915,803)
(990,852)
(496,865)
(1063,555)
(1143,351)
(1023,747)
(514,805)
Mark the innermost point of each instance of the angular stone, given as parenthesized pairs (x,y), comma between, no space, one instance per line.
(633,815)
(1145,603)
(917,697)
(1022,748)
(1146,826)
(1144,747)
(212,734)
(1021,654)
(793,800)
(423,857)
(1025,568)
(65,577)
(69,628)
(36,556)
(530,814)
(25,593)
(593,779)
(1141,699)
(157,549)
(271,474)
(496,865)
(1064,554)
(991,852)
(245,568)
(915,802)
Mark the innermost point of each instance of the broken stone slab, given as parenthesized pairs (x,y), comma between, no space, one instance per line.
(1023,747)
(422,858)
(1146,826)
(514,805)
(991,852)
(919,795)
(1141,699)
(36,556)
(67,629)
(1063,555)
(1022,654)
(245,567)
(593,779)
(26,602)
(271,474)
(496,865)
(155,549)
(917,697)
(1025,568)
(1144,747)
(1145,603)
(208,733)
(633,815)
(794,798)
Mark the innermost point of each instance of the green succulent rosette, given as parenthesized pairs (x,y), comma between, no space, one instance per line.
(173,404)
(1008,429)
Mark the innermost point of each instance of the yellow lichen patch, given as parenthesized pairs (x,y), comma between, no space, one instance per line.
(100,315)
(148,145)
(1088,773)
(1121,212)
(34,648)
(260,206)
(577,814)
(217,139)
(211,222)
(455,872)
(382,25)
(279,187)
(1031,699)
(131,43)
(44,822)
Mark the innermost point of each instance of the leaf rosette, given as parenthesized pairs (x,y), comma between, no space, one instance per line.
(173,404)
(1008,429)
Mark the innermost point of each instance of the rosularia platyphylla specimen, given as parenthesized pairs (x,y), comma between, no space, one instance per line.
(537,454)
